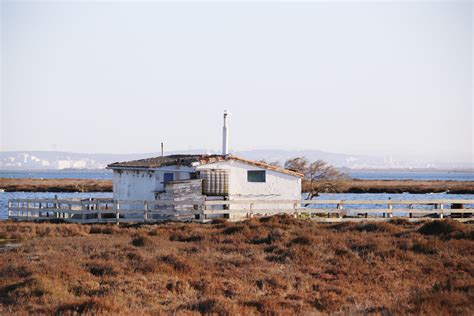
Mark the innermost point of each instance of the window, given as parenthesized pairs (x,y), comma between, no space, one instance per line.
(256,176)
(167,177)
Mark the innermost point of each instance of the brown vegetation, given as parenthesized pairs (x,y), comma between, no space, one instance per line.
(389,186)
(322,186)
(55,185)
(271,265)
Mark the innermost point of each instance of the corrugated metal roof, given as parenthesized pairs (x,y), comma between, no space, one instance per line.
(192,160)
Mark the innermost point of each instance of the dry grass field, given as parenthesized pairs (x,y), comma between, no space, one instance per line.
(274,265)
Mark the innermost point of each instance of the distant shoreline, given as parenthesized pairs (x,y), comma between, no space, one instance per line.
(339,186)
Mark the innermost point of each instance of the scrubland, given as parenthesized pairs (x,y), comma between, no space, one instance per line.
(272,265)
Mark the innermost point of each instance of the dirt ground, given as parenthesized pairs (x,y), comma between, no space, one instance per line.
(272,265)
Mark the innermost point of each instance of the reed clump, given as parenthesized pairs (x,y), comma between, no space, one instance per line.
(447,229)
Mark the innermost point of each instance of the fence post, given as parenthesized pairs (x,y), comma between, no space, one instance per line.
(83,215)
(339,207)
(441,212)
(55,206)
(145,212)
(97,209)
(203,210)
(58,207)
(117,212)
(69,215)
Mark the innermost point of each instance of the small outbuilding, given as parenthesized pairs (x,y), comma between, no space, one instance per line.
(205,177)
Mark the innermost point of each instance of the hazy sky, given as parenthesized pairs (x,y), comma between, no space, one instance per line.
(364,78)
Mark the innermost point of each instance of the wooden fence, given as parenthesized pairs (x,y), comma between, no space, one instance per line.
(100,210)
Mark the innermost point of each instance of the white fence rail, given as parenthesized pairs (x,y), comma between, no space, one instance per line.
(99,210)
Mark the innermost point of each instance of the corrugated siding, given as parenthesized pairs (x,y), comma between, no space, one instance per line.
(215,182)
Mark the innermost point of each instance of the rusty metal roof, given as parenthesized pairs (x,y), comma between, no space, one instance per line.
(192,160)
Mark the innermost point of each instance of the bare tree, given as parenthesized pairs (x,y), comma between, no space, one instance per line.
(297,164)
(314,172)
(323,172)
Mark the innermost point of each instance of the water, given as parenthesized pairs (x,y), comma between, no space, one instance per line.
(413,175)
(378,175)
(5,196)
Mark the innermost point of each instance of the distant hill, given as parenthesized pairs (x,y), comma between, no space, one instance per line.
(56,160)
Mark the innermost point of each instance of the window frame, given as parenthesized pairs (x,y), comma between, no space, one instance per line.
(164,177)
(264,172)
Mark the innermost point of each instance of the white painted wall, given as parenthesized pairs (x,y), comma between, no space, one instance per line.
(133,184)
(140,185)
(278,186)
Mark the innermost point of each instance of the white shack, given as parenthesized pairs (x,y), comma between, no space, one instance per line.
(205,177)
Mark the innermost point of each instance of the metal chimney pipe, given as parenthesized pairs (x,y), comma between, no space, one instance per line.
(225,137)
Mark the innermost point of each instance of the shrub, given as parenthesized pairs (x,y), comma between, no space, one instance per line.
(219,221)
(186,238)
(13,271)
(264,306)
(100,269)
(344,226)
(212,306)
(400,221)
(362,247)
(424,247)
(381,227)
(141,240)
(445,228)
(278,255)
(235,229)
(280,220)
(93,305)
(176,263)
(154,232)
(177,286)
(104,229)
(302,240)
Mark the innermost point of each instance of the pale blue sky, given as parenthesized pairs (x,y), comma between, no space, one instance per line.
(364,78)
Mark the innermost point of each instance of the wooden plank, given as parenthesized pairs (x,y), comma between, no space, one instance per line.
(362,202)
(240,202)
(28,209)
(69,201)
(162,202)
